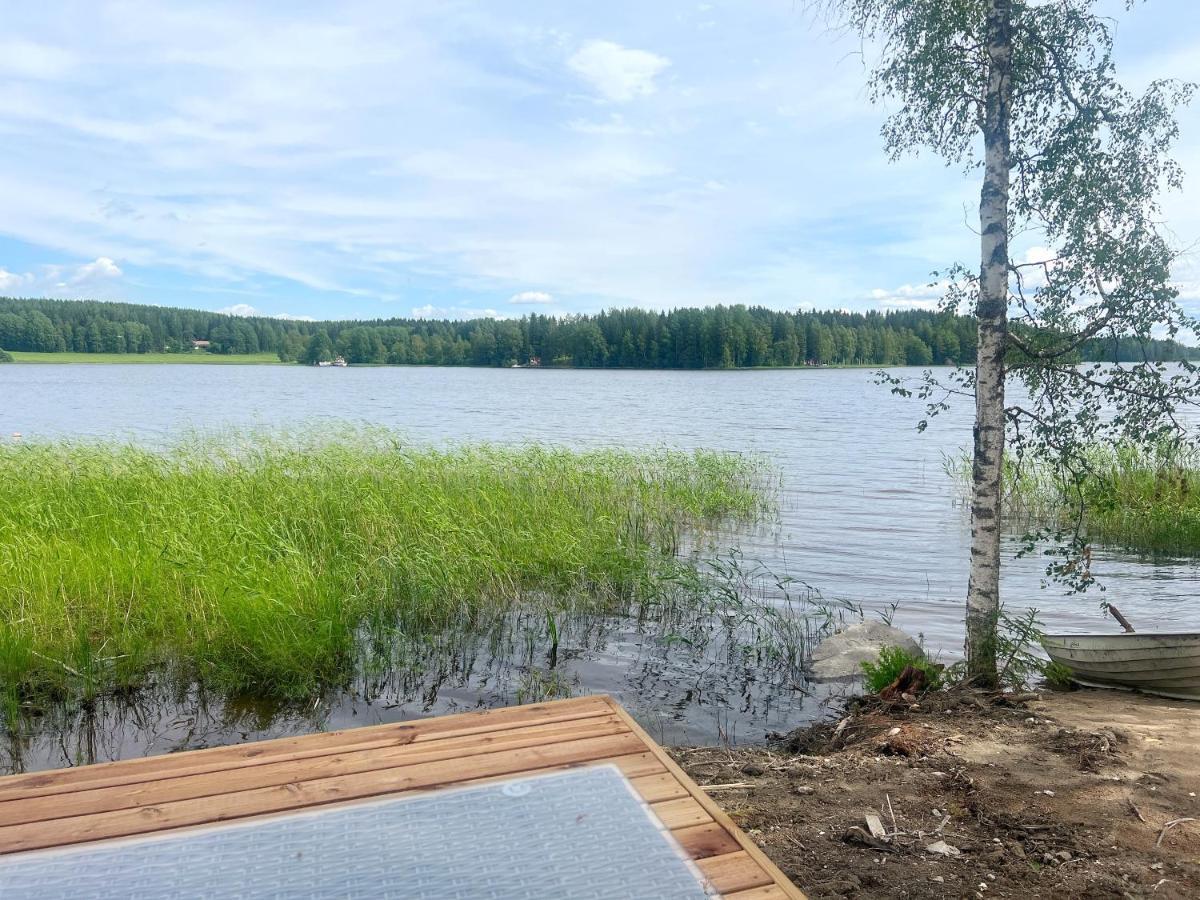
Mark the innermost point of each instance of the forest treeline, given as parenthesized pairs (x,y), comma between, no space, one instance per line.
(710,337)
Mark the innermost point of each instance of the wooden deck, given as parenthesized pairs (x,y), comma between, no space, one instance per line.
(140,796)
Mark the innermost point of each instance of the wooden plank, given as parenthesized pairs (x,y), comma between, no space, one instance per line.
(734,872)
(165,790)
(656,788)
(278,798)
(194,762)
(740,840)
(632,766)
(682,813)
(703,841)
(200,788)
(766,892)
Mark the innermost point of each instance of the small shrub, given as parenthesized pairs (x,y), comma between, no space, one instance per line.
(1017,637)
(1058,676)
(893,661)
(5,357)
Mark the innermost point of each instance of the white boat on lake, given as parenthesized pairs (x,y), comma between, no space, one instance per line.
(1164,664)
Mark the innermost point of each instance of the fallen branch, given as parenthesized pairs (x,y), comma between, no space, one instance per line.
(1137,812)
(1162,834)
(726,787)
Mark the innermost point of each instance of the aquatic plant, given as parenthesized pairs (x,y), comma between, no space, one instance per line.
(274,566)
(1141,500)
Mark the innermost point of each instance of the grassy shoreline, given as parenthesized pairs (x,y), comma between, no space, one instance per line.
(274,566)
(249,359)
(1143,501)
(271,359)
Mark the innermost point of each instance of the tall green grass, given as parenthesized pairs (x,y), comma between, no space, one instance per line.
(269,566)
(1141,500)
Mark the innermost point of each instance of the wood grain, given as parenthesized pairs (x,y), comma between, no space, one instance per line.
(733,872)
(287,769)
(278,777)
(740,840)
(193,762)
(766,892)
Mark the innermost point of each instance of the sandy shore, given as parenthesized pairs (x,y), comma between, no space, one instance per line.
(1084,794)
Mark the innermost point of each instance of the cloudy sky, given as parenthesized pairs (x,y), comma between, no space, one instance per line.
(379,158)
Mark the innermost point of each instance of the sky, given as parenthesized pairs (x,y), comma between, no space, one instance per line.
(377,158)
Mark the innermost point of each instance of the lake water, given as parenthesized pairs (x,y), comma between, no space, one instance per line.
(867,513)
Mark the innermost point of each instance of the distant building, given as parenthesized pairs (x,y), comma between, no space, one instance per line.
(200,345)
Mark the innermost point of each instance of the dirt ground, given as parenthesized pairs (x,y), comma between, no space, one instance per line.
(1081,794)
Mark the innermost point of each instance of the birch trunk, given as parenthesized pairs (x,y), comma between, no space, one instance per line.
(983,591)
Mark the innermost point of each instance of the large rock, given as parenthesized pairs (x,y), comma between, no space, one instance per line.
(842,655)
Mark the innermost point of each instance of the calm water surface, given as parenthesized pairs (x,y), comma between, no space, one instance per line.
(868,515)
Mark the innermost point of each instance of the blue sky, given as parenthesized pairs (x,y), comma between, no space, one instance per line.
(379,158)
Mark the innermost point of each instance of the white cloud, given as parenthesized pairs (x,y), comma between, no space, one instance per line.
(614,126)
(28,59)
(617,73)
(1039,254)
(493,177)
(1034,264)
(99,269)
(86,280)
(531,298)
(239,309)
(13,283)
(910,296)
(248,311)
(529,157)
(429,311)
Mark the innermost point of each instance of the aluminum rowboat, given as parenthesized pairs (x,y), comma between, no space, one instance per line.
(1164,664)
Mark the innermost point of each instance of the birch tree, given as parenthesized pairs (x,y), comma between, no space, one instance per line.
(1024,94)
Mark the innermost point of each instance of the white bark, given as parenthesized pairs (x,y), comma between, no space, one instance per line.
(983,592)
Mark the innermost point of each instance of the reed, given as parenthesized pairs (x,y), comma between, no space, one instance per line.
(1141,500)
(270,566)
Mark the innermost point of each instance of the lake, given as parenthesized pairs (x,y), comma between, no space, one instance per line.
(868,514)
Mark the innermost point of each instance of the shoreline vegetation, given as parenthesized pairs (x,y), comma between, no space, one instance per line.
(1139,500)
(716,337)
(270,359)
(281,567)
(126,359)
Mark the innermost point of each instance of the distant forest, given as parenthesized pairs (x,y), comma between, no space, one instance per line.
(712,337)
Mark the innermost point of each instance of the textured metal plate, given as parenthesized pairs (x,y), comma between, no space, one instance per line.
(580,834)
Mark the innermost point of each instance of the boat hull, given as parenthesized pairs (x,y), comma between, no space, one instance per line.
(1164,664)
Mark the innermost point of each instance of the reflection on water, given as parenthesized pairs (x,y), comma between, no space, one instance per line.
(868,516)
(727,675)
(868,512)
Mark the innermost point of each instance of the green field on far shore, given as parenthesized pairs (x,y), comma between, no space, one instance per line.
(245,359)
